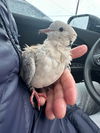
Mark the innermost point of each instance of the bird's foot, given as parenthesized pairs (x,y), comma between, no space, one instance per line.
(37,96)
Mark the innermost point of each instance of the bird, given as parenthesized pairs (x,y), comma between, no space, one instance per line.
(43,64)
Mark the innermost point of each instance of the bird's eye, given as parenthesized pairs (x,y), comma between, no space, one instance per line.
(61,29)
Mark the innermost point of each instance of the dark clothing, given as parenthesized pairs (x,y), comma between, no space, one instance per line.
(16,112)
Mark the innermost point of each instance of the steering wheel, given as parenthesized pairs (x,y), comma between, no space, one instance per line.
(92,62)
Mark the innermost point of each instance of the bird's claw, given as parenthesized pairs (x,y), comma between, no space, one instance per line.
(37,96)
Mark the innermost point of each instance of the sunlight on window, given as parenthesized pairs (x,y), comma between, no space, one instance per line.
(63,9)
(57,10)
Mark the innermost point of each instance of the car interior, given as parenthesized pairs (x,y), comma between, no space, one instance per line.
(87,26)
(28,28)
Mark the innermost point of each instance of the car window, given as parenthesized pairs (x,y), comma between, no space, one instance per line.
(25,8)
(63,9)
(55,9)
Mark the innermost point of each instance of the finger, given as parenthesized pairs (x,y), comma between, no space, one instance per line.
(69,87)
(79,51)
(49,111)
(42,99)
(59,104)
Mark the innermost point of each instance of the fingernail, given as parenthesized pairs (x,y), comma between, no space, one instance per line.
(51,117)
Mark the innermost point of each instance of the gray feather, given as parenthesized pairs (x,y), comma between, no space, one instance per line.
(28,68)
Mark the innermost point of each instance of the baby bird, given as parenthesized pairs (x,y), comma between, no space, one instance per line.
(42,65)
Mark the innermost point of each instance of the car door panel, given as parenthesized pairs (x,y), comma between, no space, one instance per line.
(28,28)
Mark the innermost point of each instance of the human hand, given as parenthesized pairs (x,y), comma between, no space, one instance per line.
(64,91)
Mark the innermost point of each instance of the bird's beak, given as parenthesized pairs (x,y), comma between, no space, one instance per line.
(45,30)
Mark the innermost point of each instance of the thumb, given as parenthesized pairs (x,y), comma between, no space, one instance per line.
(79,51)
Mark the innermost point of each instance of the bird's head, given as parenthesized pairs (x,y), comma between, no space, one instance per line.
(60,31)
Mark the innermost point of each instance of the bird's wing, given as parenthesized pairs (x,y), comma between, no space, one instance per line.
(28,67)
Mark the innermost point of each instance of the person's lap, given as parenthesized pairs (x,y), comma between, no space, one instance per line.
(87,104)
(96,118)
